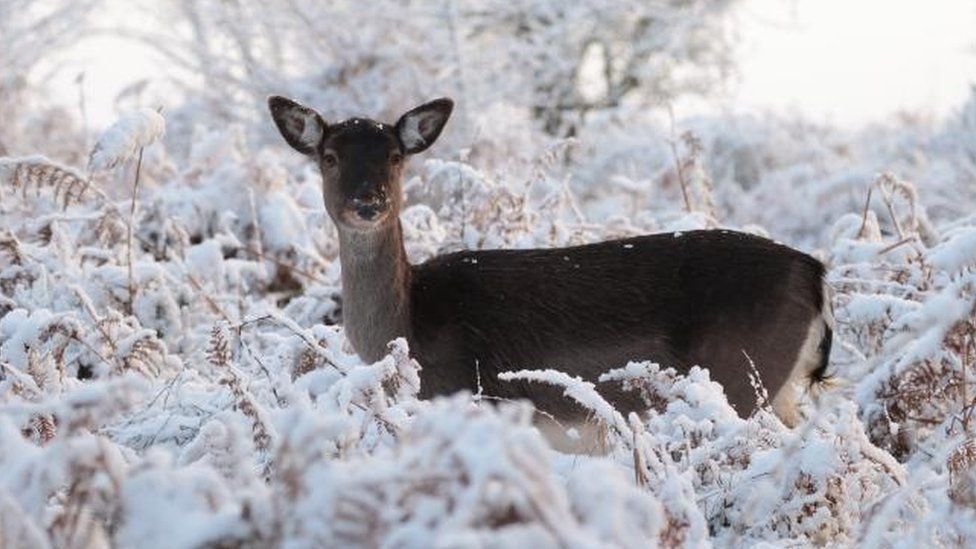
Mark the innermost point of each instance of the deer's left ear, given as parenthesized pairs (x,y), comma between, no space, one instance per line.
(420,127)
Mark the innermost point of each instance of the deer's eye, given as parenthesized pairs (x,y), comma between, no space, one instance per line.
(329,159)
(396,159)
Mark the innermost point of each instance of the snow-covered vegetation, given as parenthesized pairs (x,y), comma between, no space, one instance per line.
(173,371)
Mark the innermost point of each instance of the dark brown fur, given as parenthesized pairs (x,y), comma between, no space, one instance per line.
(701,297)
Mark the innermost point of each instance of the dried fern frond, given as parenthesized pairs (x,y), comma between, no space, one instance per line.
(90,500)
(962,457)
(44,426)
(39,172)
(921,392)
(10,246)
(43,371)
(962,476)
(219,355)
(218,350)
(109,227)
(306,361)
(143,353)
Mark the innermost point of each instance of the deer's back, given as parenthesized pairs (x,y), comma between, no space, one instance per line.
(700,297)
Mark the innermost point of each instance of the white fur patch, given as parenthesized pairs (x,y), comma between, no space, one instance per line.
(786,401)
(410,133)
(417,129)
(304,127)
(828,305)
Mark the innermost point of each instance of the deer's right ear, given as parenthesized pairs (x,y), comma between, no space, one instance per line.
(301,126)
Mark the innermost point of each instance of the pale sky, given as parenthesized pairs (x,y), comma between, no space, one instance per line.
(849,62)
(853,62)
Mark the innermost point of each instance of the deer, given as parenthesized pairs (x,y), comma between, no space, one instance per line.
(720,299)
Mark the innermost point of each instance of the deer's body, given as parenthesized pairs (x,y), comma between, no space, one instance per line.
(712,298)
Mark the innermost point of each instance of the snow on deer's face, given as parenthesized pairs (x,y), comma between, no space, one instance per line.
(361,163)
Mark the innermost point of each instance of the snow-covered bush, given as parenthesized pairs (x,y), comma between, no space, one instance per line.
(31,33)
(195,374)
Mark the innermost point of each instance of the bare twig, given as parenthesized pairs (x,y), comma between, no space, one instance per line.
(132,216)
(678,167)
(214,307)
(898,244)
(864,214)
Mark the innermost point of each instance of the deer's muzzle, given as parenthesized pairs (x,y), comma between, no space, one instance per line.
(370,208)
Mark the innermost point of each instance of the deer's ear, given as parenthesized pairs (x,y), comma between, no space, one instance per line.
(420,127)
(301,126)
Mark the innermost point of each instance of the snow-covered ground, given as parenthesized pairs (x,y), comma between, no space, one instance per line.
(204,395)
(173,371)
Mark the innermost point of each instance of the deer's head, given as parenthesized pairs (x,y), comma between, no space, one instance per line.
(361,160)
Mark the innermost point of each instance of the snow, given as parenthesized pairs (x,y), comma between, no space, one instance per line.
(291,440)
(582,392)
(125,138)
(197,388)
(958,252)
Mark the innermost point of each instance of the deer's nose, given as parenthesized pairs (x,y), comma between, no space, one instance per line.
(368,206)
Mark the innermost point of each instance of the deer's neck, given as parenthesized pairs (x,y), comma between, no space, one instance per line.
(375,288)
